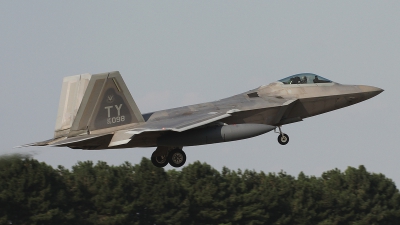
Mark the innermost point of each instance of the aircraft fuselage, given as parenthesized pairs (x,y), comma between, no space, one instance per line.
(263,106)
(98,112)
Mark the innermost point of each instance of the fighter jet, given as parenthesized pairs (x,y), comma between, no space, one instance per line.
(98,112)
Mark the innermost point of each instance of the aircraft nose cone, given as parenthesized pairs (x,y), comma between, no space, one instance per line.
(365,88)
(370,91)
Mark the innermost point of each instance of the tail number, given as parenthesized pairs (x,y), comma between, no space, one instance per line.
(116,119)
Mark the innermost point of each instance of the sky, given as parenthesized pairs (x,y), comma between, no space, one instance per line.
(175,53)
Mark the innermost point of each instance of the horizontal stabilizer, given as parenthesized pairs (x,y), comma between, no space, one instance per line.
(40,143)
(67,141)
(64,141)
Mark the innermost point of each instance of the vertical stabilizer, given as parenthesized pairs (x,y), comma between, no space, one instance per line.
(72,92)
(106,103)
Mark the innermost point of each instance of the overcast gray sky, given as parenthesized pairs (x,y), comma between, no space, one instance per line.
(174,53)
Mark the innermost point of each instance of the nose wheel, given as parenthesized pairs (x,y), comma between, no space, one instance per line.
(283,138)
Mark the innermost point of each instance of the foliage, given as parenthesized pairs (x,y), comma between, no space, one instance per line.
(35,193)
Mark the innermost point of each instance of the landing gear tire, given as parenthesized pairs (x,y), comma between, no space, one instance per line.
(159,161)
(176,158)
(283,139)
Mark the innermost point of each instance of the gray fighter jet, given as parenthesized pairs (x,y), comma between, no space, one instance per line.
(98,112)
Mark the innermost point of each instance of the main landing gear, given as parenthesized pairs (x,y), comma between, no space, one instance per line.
(283,138)
(162,156)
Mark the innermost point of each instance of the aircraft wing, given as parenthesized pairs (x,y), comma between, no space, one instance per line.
(182,123)
(177,124)
(185,122)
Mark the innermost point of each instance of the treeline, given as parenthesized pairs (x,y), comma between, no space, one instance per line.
(32,192)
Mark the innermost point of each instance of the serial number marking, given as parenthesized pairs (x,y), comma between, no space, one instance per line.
(116,119)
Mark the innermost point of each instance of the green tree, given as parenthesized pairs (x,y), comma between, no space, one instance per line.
(359,197)
(155,198)
(32,193)
(203,203)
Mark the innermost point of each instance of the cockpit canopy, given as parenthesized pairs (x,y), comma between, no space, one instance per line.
(304,78)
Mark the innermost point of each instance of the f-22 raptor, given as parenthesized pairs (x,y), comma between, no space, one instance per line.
(98,112)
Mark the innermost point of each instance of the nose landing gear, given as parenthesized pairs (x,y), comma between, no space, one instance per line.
(162,156)
(283,138)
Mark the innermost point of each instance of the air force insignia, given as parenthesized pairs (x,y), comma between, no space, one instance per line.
(110,98)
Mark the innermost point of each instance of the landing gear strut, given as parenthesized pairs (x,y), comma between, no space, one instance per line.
(283,138)
(163,155)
